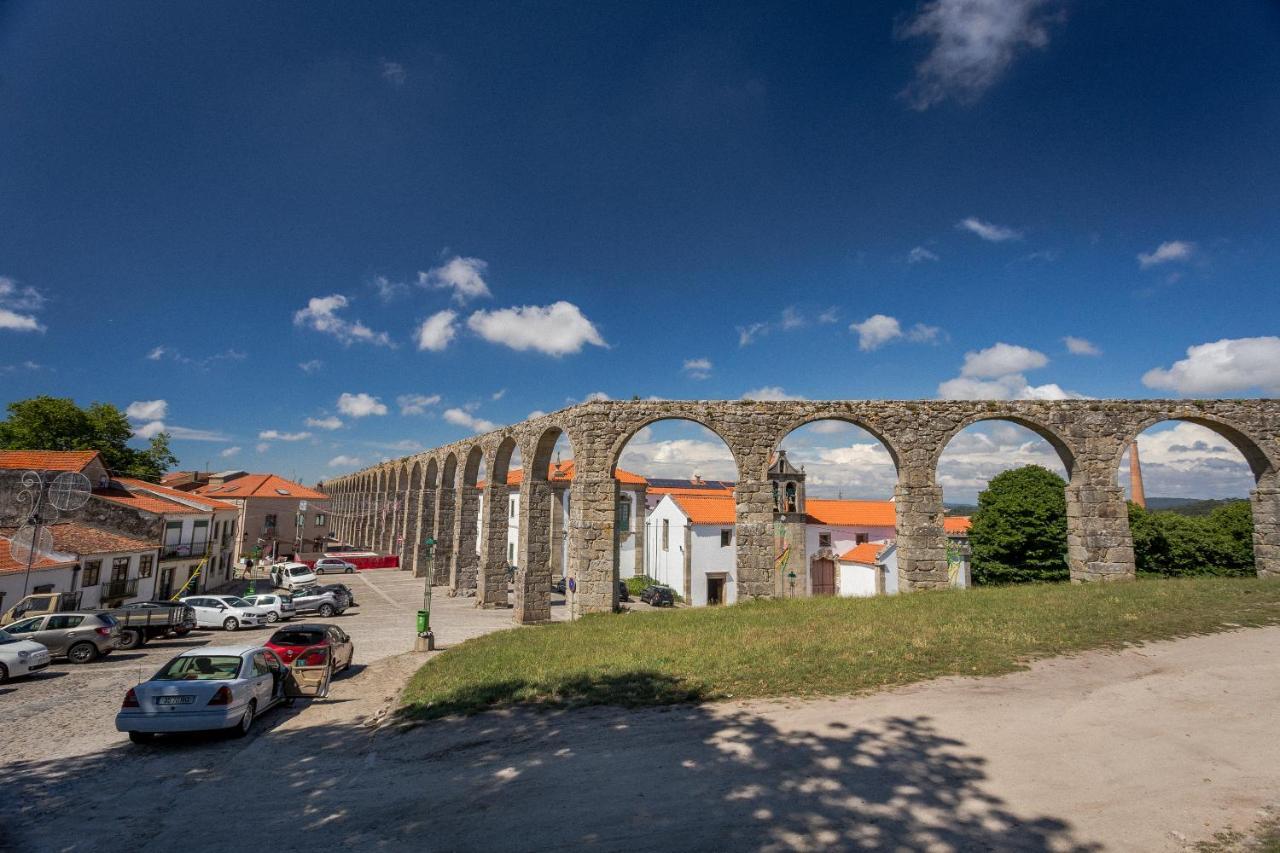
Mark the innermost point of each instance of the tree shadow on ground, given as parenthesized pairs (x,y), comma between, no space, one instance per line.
(688,777)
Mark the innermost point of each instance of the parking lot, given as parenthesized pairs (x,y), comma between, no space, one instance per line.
(69,710)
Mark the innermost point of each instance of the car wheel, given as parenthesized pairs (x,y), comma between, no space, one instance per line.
(181,632)
(130,640)
(246,722)
(325,610)
(319,570)
(141,737)
(349,570)
(273,616)
(4,673)
(230,623)
(82,653)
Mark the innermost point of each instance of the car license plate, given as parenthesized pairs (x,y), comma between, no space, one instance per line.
(175,700)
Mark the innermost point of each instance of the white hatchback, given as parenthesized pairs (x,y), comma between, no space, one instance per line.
(20,657)
(292,575)
(225,611)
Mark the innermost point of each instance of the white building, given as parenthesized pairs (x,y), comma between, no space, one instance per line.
(690,546)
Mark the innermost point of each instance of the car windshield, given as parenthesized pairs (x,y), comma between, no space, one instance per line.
(295,637)
(6,637)
(200,668)
(237,602)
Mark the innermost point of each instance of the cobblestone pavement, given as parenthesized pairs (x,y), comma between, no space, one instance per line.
(69,710)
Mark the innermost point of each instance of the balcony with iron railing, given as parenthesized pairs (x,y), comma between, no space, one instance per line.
(184,551)
(120,588)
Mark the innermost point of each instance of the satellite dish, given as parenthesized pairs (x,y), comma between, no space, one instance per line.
(31,542)
(69,491)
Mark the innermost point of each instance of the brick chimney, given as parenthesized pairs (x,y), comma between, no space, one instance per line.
(1136,493)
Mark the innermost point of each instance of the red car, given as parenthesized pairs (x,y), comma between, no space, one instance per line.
(290,642)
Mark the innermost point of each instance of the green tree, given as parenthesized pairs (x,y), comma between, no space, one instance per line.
(1019,532)
(1174,545)
(57,423)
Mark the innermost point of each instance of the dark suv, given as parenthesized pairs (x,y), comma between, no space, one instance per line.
(658,596)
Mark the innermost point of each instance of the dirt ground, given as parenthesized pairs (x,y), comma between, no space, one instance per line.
(1149,749)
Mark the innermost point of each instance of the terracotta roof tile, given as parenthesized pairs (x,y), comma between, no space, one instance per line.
(715,508)
(864,553)
(259,486)
(46,460)
(175,494)
(851,513)
(957,524)
(9,566)
(73,537)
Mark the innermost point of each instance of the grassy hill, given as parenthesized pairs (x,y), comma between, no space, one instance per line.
(1189,506)
(818,646)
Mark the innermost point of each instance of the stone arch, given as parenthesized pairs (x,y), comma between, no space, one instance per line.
(431,473)
(837,414)
(679,413)
(471,466)
(495,525)
(1252,449)
(1068,455)
(449,471)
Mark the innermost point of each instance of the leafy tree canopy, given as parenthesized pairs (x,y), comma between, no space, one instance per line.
(1170,544)
(1019,532)
(57,423)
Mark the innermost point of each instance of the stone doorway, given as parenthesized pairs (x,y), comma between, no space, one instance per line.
(715,589)
(823,574)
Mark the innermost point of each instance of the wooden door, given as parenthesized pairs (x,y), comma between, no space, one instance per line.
(823,574)
(715,590)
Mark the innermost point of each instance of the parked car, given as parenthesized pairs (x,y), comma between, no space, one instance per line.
(343,589)
(19,656)
(277,606)
(229,612)
(333,565)
(313,599)
(659,596)
(295,640)
(219,687)
(80,637)
(557,585)
(623,593)
(290,576)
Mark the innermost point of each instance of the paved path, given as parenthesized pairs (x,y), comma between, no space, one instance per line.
(1127,751)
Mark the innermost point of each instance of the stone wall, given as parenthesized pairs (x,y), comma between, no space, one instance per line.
(1089,435)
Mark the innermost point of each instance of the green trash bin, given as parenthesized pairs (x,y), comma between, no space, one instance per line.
(424,620)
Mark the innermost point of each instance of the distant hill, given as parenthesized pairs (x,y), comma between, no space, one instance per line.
(1188,506)
(961,509)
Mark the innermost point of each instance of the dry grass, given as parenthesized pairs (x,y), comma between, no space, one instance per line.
(826,646)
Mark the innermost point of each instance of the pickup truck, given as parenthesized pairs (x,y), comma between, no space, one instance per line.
(140,621)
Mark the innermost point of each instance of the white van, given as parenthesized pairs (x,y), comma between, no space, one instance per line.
(292,575)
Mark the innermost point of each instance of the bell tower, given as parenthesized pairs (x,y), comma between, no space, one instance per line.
(789,526)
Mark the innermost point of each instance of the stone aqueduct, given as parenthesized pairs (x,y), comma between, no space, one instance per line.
(437,493)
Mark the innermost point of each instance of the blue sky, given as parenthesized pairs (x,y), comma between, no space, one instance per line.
(234,214)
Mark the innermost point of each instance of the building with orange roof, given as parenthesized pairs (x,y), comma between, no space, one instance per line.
(276,517)
(53,573)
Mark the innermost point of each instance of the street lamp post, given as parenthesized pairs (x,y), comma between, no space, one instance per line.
(426,640)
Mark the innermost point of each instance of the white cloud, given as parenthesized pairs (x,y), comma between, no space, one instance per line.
(791,318)
(1000,360)
(1230,365)
(310,366)
(876,331)
(463,418)
(149,429)
(536,413)
(770,393)
(920,254)
(262,447)
(147,410)
(702,453)
(394,73)
(464,276)
(1080,346)
(1191,461)
(158,353)
(831,315)
(330,423)
(697,368)
(321,314)
(1170,252)
(343,461)
(387,289)
(360,405)
(988,231)
(747,335)
(16,303)
(179,433)
(229,452)
(1011,387)
(973,43)
(498,395)
(437,331)
(556,329)
(980,452)
(277,435)
(922,334)
(416,404)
